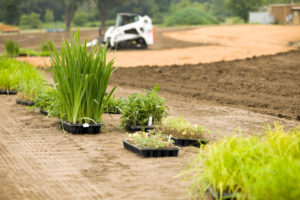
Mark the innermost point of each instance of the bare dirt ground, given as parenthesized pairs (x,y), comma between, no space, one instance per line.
(213,43)
(267,84)
(39,161)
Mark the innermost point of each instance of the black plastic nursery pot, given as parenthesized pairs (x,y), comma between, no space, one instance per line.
(151,152)
(113,111)
(188,142)
(9,92)
(225,195)
(44,112)
(26,103)
(137,128)
(81,128)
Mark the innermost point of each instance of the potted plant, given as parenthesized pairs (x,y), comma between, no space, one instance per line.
(249,166)
(10,76)
(46,101)
(182,132)
(29,86)
(150,145)
(114,106)
(81,79)
(141,111)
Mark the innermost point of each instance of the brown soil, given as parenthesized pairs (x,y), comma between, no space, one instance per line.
(34,40)
(39,161)
(199,45)
(268,84)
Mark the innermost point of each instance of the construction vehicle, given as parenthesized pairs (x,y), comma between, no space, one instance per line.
(131,31)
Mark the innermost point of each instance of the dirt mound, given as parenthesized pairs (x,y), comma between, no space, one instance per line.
(267,84)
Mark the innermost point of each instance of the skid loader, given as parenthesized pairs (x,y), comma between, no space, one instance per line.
(130,31)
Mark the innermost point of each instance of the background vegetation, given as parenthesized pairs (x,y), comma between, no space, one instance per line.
(100,13)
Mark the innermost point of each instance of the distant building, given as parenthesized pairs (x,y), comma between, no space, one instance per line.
(286,13)
(260,18)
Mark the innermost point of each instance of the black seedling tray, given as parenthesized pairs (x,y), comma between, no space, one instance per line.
(225,195)
(133,129)
(80,129)
(113,111)
(44,112)
(151,152)
(188,142)
(12,92)
(26,103)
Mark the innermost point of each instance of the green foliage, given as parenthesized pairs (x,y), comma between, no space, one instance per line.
(234,20)
(180,128)
(12,48)
(16,75)
(80,19)
(146,140)
(48,46)
(242,8)
(81,79)
(31,21)
(190,16)
(114,105)
(49,16)
(47,100)
(253,167)
(139,107)
(10,11)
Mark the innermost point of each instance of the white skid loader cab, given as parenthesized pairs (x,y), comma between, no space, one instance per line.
(130,31)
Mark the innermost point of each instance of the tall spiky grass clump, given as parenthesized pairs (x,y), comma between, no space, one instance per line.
(254,167)
(81,80)
(12,48)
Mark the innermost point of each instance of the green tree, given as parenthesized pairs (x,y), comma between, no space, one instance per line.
(10,11)
(69,8)
(104,8)
(31,21)
(242,8)
(49,17)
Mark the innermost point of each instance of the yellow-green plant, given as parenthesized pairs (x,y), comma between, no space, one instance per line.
(81,80)
(12,48)
(252,167)
(180,128)
(16,75)
(146,140)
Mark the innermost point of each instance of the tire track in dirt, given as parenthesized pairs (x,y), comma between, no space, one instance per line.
(41,167)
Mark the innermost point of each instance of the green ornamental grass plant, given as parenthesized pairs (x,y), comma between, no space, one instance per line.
(140,107)
(81,79)
(12,48)
(16,75)
(252,167)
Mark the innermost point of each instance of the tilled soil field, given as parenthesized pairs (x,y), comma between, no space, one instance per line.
(267,84)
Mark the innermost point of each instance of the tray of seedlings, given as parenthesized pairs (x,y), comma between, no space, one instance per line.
(81,100)
(150,145)
(182,132)
(141,111)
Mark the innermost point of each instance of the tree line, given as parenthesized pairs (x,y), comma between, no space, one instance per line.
(16,12)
